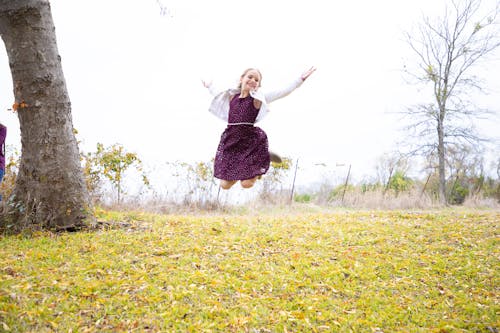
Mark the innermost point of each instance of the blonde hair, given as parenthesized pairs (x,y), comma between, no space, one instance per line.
(245,73)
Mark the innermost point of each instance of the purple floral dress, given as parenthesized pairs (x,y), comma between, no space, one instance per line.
(243,151)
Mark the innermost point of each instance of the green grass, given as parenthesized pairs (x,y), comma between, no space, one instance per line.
(304,272)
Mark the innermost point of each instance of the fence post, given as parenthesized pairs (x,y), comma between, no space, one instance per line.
(345,185)
(293,184)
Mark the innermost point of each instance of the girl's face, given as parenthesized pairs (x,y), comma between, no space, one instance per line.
(250,80)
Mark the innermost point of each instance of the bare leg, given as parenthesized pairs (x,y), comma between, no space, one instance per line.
(247,183)
(226,184)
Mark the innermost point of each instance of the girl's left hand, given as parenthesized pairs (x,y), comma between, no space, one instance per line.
(206,84)
(308,73)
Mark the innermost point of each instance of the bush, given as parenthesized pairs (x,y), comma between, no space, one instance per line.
(303,198)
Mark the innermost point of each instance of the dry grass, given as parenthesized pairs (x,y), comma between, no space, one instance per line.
(389,200)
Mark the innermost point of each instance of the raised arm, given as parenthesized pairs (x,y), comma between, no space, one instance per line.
(277,94)
(211,87)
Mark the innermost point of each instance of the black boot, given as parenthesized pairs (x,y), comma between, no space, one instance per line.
(275,157)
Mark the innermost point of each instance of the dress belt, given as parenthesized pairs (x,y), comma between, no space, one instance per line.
(232,124)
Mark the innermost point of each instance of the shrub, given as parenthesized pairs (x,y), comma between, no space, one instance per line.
(303,198)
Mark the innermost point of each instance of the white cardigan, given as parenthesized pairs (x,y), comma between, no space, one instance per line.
(220,104)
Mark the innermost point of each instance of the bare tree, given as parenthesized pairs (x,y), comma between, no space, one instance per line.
(50,190)
(448,49)
(390,163)
(498,168)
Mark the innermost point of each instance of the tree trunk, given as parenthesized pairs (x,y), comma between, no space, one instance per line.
(441,163)
(50,191)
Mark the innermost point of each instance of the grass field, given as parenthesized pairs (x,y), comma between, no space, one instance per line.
(340,271)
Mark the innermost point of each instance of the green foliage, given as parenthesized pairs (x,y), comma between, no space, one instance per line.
(338,191)
(204,171)
(197,181)
(110,163)
(316,272)
(399,182)
(286,164)
(431,74)
(477,27)
(92,174)
(274,177)
(303,198)
(278,170)
(367,187)
(458,194)
(491,188)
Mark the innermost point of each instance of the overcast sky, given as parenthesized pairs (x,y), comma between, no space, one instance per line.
(133,75)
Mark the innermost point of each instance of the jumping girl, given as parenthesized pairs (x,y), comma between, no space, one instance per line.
(243,152)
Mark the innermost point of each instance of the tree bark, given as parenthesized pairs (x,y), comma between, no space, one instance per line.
(50,191)
(441,160)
